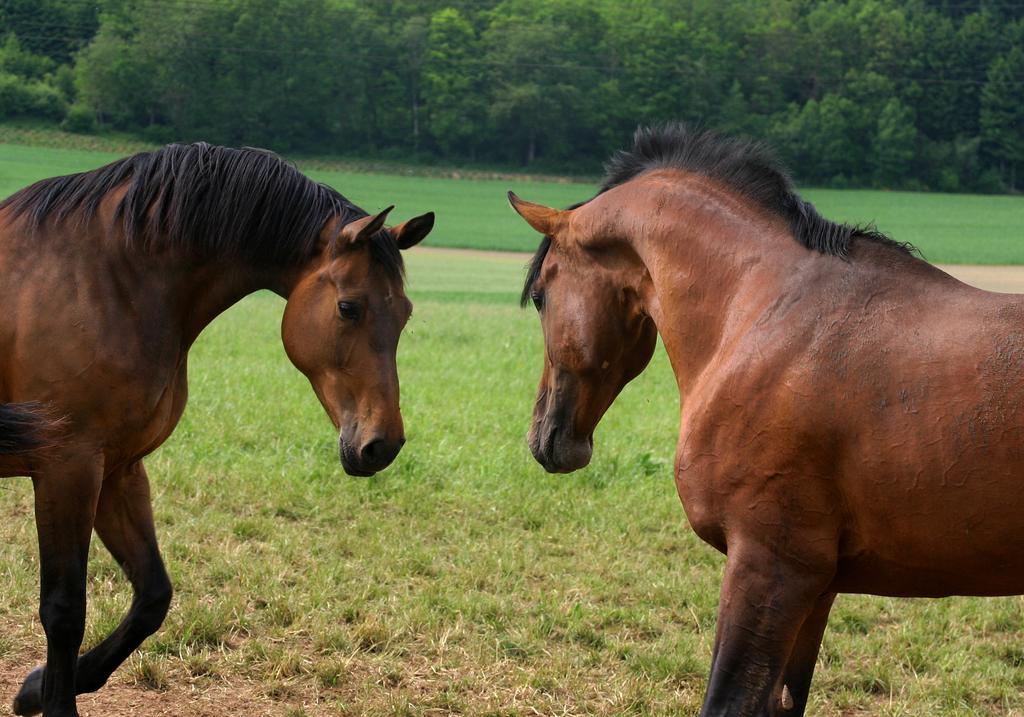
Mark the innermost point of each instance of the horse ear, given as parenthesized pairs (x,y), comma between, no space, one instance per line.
(544,219)
(410,233)
(359,231)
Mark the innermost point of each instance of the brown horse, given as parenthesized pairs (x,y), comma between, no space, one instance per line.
(852,418)
(107,277)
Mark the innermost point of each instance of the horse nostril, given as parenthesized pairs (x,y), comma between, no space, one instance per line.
(371,450)
(379,452)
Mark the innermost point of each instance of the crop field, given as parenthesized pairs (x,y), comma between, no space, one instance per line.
(464,579)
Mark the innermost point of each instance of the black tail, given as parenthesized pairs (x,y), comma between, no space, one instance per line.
(25,427)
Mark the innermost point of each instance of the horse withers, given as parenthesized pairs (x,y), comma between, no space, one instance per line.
(107,277)
(852,418)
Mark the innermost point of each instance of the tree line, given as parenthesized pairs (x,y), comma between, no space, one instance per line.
(919,94)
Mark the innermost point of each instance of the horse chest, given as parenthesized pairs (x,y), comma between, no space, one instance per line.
(153,422)
(741,467)
(698,483)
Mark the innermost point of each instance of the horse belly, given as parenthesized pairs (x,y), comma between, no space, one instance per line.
(944,532)
(931,457)
(891,576)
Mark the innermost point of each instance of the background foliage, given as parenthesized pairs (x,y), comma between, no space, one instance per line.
(889,93)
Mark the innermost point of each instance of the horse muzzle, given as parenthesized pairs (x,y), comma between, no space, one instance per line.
(372,456)
(558,451)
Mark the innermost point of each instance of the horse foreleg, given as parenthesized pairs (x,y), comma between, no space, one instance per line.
(124,522)
(65,506)
(789,698)
(765,601)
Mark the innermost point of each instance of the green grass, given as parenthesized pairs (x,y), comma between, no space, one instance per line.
(473,212)
(463,580)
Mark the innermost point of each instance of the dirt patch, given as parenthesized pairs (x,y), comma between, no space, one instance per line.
(1009,279)
(118,697)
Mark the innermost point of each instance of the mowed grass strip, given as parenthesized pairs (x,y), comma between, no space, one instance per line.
(473,213)
(463,580)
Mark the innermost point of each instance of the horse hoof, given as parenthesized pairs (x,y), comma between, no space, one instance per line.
(30,697)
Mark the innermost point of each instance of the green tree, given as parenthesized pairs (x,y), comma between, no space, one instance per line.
(259,80)
(818,140)
(895,92)
(51,28)
(15,60)
(535,98)
(451,84)
(1002,114)
(894,146)
(115,80)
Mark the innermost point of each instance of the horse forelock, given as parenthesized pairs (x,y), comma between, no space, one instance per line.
(533,270)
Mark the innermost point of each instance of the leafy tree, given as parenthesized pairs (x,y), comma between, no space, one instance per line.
(1002,114)
(52,28)
(115,80)
(413,39)
(894,146)
(15,60)
(921,93)
(452,84)
(535,98)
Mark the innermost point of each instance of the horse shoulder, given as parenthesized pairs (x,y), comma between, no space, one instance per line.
(95,349)
(752,443)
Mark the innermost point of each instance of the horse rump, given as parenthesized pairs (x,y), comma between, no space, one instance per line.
(26,428)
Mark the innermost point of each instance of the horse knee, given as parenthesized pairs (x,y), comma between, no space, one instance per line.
(63,620)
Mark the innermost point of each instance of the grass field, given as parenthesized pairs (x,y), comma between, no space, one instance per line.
(463,580)
(948,228)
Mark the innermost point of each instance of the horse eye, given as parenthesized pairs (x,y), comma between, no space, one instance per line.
(349,310)
(538,299)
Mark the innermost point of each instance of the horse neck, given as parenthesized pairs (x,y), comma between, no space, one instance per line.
(185,293)
(712,262)
(208,290)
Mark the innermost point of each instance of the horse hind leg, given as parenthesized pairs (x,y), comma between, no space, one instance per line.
(766,600)
(124,522)
(65,505)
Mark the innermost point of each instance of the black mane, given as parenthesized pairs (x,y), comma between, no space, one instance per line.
(750,168)
(213,202)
